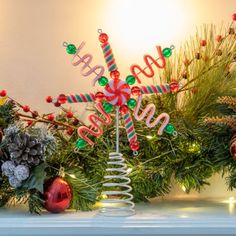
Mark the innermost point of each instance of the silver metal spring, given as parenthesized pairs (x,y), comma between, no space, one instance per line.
(118,202)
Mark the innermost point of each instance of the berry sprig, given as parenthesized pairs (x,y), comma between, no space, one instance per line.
(32,117)
(216,52)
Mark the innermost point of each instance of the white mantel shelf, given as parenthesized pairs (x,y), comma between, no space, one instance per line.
(159,218)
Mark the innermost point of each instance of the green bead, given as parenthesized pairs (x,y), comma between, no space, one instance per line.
(130,79)
(107,107)
(80,143)
(166,52)
(169,129)
(71,49)
(131,103)
(103,81)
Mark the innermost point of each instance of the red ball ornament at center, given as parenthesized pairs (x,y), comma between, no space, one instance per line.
(57,194)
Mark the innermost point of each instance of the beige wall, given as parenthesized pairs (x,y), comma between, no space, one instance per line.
(34,63)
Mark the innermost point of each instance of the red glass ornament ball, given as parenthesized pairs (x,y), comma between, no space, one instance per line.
(233,151)
(99,96)
(69,131)
(69,114)
(218,38)
(134,146)
(115,74)
(49,99)
(203,43)
(3,93)
(57,194)
(26,108)
(103,38)
(135,91)
(62,99)
(234,17)
(123,109)
(50,117)
(174,87)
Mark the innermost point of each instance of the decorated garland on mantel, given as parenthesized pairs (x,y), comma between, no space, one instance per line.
(46,165)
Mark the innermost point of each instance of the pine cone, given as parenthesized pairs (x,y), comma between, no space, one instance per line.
(25,150)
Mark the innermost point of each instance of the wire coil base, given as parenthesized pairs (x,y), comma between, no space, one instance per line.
(119,199)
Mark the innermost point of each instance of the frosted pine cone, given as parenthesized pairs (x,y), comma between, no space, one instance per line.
(26,150)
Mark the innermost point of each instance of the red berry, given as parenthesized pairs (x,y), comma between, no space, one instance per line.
(123,109)
(69,114)
(3,93)
(57,104)
(174,86)
(218,38)
(115,74)
(134,145)
(75,122)
(203,43)
(69,131)
(49,99)
(99,96)
(26,108)
(35,114)
(103,38)
(50,117)
(136,91)
(29,122)
(186,62)
(234,17)
(62,99)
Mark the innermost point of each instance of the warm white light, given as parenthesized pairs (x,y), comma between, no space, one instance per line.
(183,188)
(149,137)
(129,170)
(72,176)
(231,201)
(150,22)
(104,196)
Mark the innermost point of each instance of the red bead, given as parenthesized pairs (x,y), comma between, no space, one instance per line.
(29,122)
(203,43)
(26,108)
(69,131)
(115,74)
(69,114)
(234,17)
(62,99)
(218,38)
(134,146)
(174,87)
(123,109)
(50,117)
(49,99)
(57,194)
(3,93)
(135,91)
(99,96)
(103,38)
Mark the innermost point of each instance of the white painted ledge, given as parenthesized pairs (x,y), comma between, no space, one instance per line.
(158,218)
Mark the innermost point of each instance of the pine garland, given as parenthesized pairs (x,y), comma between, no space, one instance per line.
(200,150)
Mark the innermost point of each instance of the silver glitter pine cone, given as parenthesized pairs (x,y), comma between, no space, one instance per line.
(25,150)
